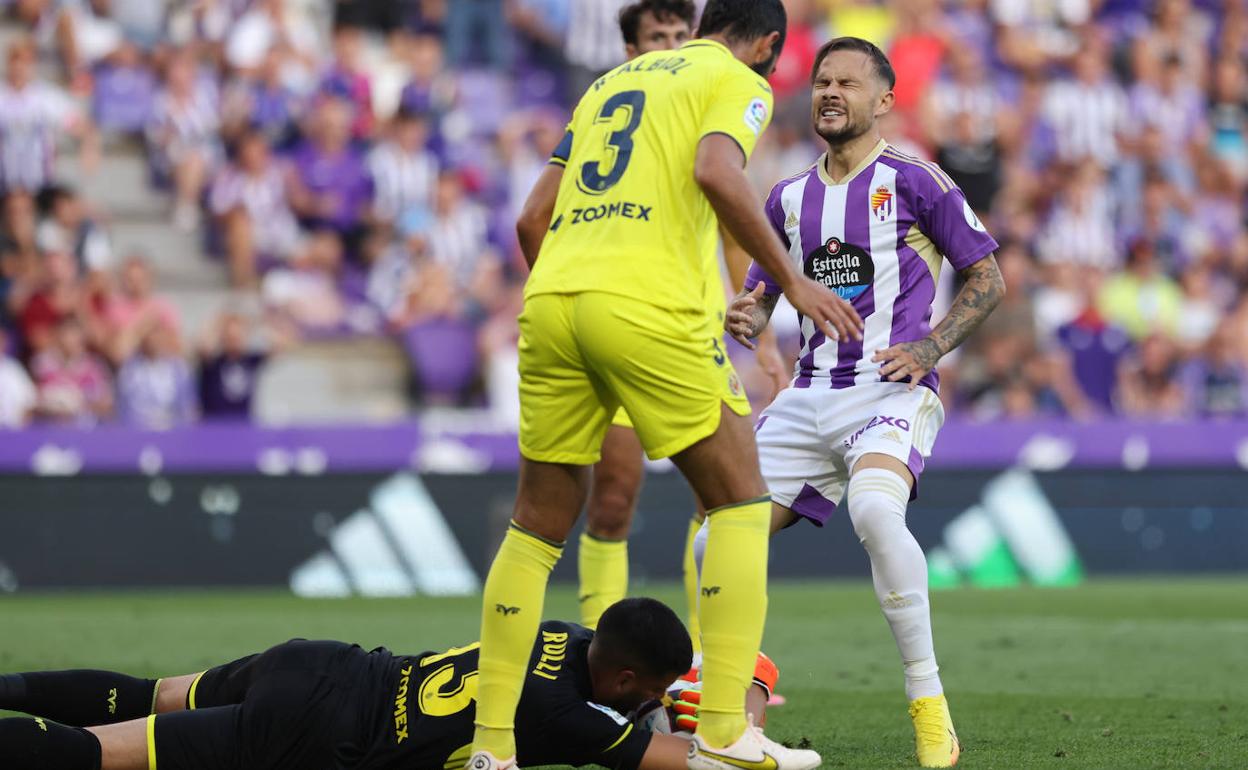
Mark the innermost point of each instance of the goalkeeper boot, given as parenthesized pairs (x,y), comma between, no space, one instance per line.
(484,760)
(935,741)
(752,751)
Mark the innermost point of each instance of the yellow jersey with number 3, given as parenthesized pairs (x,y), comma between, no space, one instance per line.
(629,218)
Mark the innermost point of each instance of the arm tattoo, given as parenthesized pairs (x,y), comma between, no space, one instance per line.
(976,300)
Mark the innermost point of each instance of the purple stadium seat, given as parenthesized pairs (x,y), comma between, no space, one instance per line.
(444,357)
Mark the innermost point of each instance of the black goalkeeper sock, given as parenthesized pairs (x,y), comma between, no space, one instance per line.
(82,698)
(36,744)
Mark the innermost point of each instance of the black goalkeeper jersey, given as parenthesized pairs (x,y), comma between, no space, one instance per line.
(420,709)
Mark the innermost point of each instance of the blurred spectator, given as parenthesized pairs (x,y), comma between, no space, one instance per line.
(1217,382)
(124,93)
(431,88)
(249,203)
(973,160)
(593,45)
(329,186)
(403,170)
(18,396)
(347,79)
(1153,157)
(154,385)
(1142,299)
(183,136)
(266,25)
(34,117)
(1228,116)
(543,25)
(792,76)
(136,309)
(305,290)
(1216,220)
(1160,222)
(1177,30)
(66,227)
(1201,309)
(87,34)
(1148,383)
(261,101)
(1080,229)
(1094,347)
(1089,112)
(57,298)
(480,26)
(229,369)
(74,385)
(965,90)
(1171,103)
(1035,34)
(459,243)
(917,49)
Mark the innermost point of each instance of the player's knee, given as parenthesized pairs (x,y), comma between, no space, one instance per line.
(612,501)
(611,508)
(877,504)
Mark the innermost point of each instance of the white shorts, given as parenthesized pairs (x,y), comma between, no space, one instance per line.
(810,438)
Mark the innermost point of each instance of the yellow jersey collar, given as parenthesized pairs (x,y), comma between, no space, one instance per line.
(701,41)
(867,161)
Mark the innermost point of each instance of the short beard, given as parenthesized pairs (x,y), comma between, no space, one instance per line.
(850,132)
(766,67)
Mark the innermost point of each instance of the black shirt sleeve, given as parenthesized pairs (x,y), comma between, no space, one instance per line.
(557,722)
(598,735)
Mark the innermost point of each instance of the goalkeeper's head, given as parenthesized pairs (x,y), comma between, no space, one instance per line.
(639,648)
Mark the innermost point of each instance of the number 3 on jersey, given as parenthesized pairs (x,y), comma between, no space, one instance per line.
(618,145)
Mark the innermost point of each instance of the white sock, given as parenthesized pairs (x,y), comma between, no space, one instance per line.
(699,546)
(877,508)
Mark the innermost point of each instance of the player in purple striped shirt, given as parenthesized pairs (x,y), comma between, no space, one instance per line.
(872,224)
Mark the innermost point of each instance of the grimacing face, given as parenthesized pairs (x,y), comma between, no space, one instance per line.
(847,96)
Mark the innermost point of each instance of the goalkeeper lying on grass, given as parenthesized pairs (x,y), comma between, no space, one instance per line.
(309,705)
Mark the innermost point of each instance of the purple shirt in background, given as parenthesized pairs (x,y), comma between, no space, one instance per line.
(122,98)
(1216,390)
(155,393)
(343,175)
(866,240)
(1095,348)
(227,385)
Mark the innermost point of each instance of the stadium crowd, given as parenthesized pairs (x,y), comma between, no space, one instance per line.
(359,164)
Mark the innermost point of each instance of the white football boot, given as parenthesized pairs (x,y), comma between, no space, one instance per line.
(752,751)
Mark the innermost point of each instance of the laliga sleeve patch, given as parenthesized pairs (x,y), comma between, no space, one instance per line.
(971,219)
(617,716)
(756,116)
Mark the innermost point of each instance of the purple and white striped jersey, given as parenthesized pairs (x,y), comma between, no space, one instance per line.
(876,239)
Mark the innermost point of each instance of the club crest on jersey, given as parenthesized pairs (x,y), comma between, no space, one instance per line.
(842,267)
(882,203)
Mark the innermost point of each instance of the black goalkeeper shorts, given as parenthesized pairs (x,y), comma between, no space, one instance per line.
(289,708)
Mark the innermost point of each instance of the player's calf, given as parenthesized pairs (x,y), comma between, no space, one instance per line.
(34,743)
(81,697)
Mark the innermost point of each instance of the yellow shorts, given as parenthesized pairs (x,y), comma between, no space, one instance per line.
(584,356)
(714,330)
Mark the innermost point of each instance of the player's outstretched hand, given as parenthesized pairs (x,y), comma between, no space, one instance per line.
(908,359)
(739,320)
(831,315)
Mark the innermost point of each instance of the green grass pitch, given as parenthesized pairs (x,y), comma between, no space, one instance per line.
(1115,674)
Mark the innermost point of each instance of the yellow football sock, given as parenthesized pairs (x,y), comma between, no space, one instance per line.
(603,566)
(690,569)
(733,609)
(514,594)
